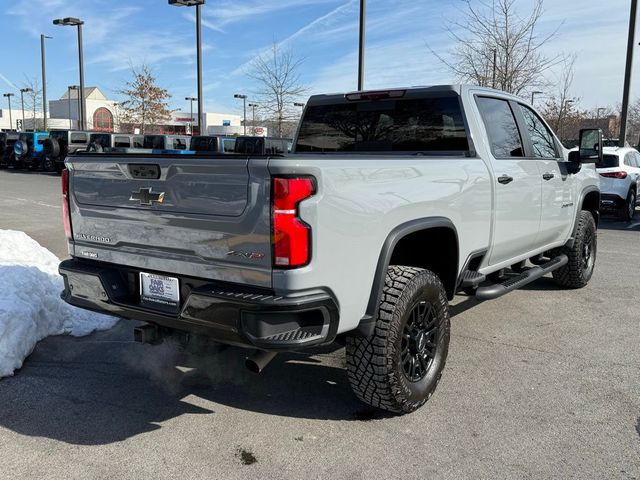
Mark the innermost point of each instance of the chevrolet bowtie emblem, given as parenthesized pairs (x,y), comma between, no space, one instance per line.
(146,197)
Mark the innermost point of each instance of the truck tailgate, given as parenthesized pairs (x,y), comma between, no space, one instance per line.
(206,217)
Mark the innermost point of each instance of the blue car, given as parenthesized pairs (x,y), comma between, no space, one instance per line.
(28,151)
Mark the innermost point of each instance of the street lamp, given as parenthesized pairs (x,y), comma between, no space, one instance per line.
(69,88)
(601,109)
(191,100)
(9,95)
(563,109)
(198,4)
(363,13)
(533,95)
(244,101)
(22,92)
(627,76)
(76,22)
(253,107)
(44,87)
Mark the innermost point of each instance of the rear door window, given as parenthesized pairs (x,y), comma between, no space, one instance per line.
(102,139)
(229,145)
(179,144)
(154,141)
(501,126)
(609,161)
(77,138)
(122,142)
(409,125)
(541,137)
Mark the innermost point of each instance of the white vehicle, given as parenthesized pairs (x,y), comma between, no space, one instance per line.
(391,203)
(619,178)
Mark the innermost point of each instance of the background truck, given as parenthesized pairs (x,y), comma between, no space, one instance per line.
(392,203)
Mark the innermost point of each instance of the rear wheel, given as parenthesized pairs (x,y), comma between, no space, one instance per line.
(582,255)
(628,211)
(399,366)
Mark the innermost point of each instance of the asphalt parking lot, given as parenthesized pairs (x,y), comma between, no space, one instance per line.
(542,383)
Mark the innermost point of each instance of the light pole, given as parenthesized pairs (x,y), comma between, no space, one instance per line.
(69,88)
(563,109)
(601,109)
(533,95)
(22,92)
(198,4)
(76,22)
(627,75)
(9,95)
(361,44)
(44,87)
(191,100)
(244,101)
(253,107)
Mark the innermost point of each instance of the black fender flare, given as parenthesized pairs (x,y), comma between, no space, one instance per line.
(586,191)
(367,323)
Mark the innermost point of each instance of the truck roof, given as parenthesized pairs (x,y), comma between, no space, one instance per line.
(410,92)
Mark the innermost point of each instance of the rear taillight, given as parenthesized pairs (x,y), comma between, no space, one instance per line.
(619,175)
(291,236)
(66,216)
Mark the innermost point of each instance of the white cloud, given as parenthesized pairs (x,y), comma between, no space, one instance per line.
(228,12)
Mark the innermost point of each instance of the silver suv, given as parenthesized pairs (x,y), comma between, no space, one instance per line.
(619,179)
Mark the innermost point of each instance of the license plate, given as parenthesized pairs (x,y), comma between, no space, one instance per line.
(159,289)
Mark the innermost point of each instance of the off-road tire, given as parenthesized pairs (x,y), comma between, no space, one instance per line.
(374,364)
(628,210)
(578,271)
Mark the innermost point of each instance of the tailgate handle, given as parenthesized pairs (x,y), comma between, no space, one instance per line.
(145,171)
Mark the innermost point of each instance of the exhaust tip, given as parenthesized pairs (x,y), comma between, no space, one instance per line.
(252,366)
(257,362)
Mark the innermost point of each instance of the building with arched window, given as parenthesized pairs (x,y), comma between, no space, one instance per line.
(103,120)
(101,113)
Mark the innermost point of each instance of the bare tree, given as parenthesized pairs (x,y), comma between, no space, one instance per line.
(495,47)
(279,86)
(33,102)
(561,106)
(145,103)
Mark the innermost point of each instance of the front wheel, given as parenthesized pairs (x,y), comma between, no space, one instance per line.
(398,368)
(582,255)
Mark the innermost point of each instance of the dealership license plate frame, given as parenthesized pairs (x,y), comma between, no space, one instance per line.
(159,291)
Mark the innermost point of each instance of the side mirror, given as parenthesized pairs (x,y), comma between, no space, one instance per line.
(590,149)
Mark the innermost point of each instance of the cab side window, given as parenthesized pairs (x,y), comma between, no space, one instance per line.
(501,126)
(541,137)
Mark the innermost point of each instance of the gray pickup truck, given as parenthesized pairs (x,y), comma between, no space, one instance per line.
(391,203)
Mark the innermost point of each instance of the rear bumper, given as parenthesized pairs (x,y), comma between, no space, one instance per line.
(611,201)
(227,314)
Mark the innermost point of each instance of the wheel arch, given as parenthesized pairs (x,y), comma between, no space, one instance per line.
(399,249)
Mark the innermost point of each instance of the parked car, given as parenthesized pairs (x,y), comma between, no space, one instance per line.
(125,140)
(166,142)
(619,180)
(7,141)
(262,145)
(28,151)
(62,143)
(212,143)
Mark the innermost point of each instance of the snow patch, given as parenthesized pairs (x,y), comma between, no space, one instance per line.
(30,304)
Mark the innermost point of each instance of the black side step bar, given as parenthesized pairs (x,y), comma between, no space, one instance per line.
(499,289)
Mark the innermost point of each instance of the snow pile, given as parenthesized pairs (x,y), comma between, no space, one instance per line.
(30,304)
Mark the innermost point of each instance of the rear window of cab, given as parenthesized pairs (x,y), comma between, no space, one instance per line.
(433,124)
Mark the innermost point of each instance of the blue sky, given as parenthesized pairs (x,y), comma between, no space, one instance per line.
(119,33)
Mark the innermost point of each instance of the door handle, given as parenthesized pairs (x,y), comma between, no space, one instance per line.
(504,179)
(548,176)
